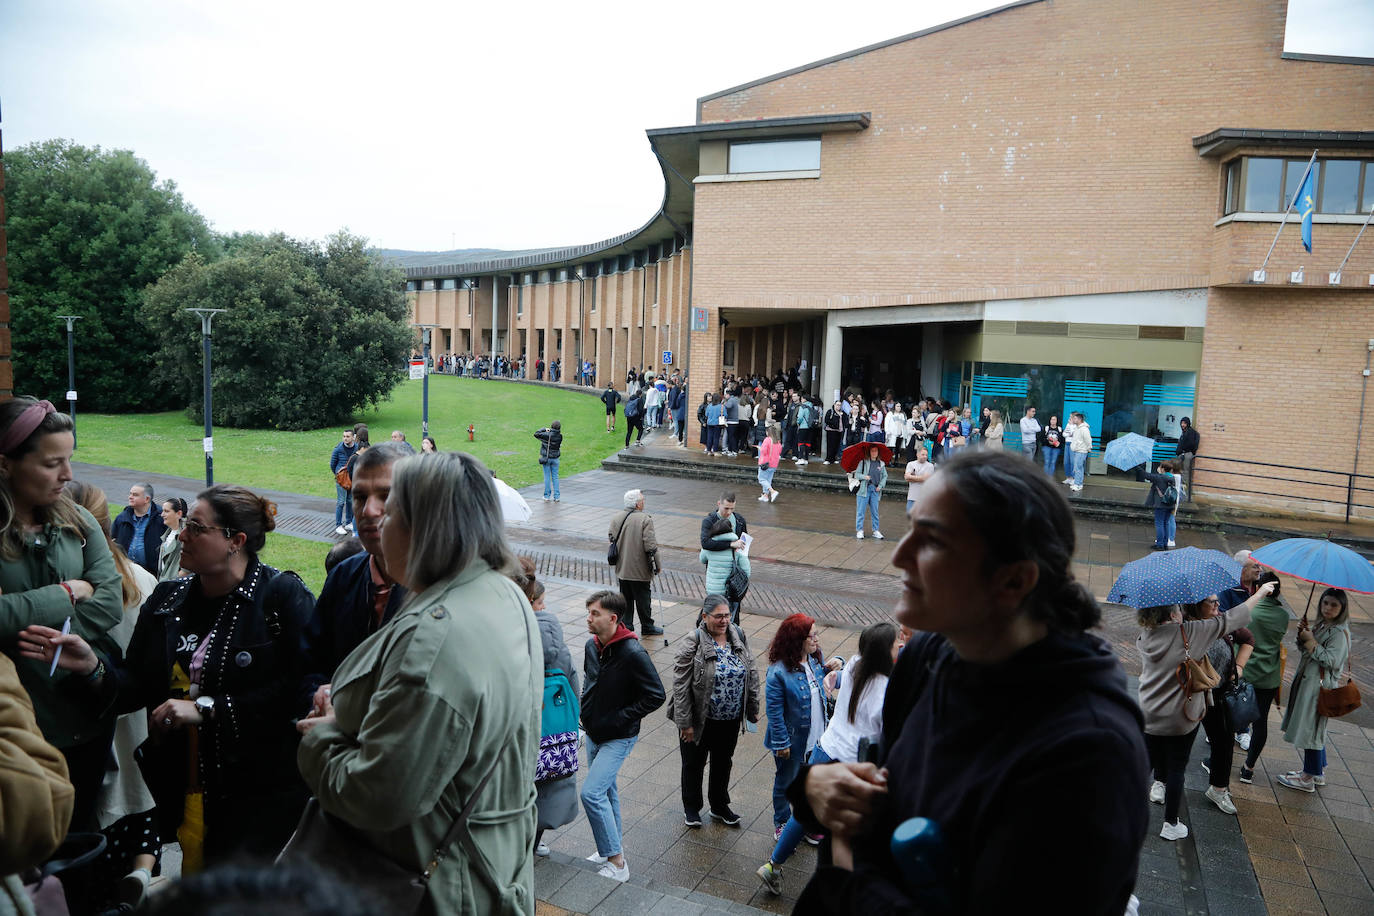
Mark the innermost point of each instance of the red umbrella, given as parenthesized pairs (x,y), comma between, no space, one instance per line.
(850,457)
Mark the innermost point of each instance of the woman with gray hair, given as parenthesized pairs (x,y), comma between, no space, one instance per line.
(460,669)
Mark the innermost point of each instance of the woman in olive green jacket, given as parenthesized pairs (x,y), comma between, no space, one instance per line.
(443,696)
(1268,624)
(54,565)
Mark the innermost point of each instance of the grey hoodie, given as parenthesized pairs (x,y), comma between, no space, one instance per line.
(1161,652)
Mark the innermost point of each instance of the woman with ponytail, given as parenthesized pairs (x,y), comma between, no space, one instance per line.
(214,661)
(1006,721)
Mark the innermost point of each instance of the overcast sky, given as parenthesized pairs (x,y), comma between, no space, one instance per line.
(435,125)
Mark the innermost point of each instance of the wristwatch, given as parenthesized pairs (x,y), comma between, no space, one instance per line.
(206,707)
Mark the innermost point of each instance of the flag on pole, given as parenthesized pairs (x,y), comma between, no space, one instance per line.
(1307,202)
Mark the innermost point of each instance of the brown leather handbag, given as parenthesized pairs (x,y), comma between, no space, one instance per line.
(1338,701)
(1195,675)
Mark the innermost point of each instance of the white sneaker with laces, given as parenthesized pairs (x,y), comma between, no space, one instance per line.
(596,858)
(773,496)
(542,849)
(1172,544)
(1222,799)
(1173,831)
(1316,780)
(1300,781)
(763,498)
(1157,792)
(859,535)
(621,874)
(877,535)
(1243,741)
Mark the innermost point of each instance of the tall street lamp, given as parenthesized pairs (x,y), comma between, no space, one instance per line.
(207,316)
(425,331)
(71,372)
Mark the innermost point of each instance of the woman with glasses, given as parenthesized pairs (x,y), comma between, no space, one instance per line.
(1228,656)
(55,566)
(715,690)
(214,660)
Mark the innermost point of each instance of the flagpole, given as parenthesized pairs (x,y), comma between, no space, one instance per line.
(1291,202)
(1358,236)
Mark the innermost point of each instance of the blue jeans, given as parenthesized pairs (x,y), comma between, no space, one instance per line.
(1080,463)
(766,478)
(869,502)
(1162,525)
(1171,526)
(787,771)
(1314,762)
(792,833)
(343,506)
(551,478)
(1051,458)
(599,798)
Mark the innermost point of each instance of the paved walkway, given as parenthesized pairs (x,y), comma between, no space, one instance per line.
(1287,852)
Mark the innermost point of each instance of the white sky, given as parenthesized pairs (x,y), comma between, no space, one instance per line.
(433,125)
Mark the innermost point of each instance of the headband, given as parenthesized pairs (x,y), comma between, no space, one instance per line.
(24,425)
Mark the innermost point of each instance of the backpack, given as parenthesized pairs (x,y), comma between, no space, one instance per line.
(1168,498)
(632,409)
(557,728)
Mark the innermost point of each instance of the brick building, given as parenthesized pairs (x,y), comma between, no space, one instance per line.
(1053,203)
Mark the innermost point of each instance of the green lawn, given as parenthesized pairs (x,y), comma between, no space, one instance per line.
(506,416)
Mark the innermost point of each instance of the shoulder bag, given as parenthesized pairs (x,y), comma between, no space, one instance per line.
(613,551)
(1239,696)
(342,478)
(737,583)
(1338,701)
(1194,676)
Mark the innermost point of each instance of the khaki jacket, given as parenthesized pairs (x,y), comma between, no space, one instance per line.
(694,676)
(424,708)
(36,797)
(638,558)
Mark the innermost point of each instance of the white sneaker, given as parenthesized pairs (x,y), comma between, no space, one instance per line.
(1067,481)
(825,462)
(1222,799)
(541,849)
(763,498)
(877,535)
(1157,792)
(773,496)
(1316,780)
(804,461)
(1075,488)
(1243,741)
(859,535)
(1297,780)
(1173,831)
(622,874)
(596,859)
(341,530)
(1172,544)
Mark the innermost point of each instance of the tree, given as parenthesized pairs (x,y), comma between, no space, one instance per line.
(88,230)
(312,334)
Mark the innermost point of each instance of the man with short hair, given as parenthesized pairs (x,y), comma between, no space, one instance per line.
(139,530)
(360,595)
(621,688)
(399,438)
(1030,432)
(610,397)
(1188,443)
(343,505)
(636,561)
(725,511)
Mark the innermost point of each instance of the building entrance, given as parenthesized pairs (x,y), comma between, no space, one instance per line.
(878,358)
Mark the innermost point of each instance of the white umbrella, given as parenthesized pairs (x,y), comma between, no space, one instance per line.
(513,505)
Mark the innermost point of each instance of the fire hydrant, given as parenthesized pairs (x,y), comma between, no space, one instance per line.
(472,430)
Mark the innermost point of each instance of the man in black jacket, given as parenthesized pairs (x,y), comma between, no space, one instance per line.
(1188,443)
(610,397)
(139,529)
(360,596)
(621,687)
(725,513)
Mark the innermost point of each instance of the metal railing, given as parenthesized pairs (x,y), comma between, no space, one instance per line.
(1332,487)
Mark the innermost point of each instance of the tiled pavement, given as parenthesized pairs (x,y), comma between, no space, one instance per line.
(1286,852)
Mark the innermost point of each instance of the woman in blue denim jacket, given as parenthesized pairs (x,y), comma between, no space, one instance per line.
(796,706)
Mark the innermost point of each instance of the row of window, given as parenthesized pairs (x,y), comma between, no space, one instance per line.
(1262,184)
(605,267)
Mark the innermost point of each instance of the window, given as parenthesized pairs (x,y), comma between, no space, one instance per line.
(728,357)
(775,156)
(520,299)
(1260,184)
(429,284)
(450,283)
(410,286)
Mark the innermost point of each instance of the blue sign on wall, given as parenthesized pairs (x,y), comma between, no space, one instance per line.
(667,357)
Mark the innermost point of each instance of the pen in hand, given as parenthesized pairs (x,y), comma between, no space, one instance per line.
(57,653)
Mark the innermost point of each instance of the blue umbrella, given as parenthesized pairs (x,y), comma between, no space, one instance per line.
(1318,562)
(1183,576)
(1129,451)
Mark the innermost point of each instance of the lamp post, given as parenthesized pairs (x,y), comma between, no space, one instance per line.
(71,372)
(425,331)
(207,316)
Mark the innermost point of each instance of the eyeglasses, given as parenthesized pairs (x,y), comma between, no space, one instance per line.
(196,529)
(725,616)
(1211,601)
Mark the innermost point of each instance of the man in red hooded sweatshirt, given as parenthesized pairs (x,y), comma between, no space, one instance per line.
(622,687)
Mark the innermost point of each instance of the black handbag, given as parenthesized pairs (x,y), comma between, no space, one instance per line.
(1242,708)
(613,551)
(737,583)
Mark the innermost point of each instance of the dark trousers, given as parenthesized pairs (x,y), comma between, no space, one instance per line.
(1217,725)
(637,596)
(1259,729)
(1169,760)
(86,770)
(634,428)
(832,445)
(718,739)
(789,441)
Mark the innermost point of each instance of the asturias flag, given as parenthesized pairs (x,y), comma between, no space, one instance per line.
(1307,202)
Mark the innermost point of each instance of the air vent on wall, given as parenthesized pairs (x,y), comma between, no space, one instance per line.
(1043,328)
(999,327)
(1160,332)
(1115,331)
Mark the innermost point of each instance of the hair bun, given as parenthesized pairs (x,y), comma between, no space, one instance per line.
(269,514)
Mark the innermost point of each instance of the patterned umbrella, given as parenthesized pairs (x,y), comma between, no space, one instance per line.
(1181,576)
(1129,451)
